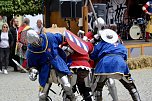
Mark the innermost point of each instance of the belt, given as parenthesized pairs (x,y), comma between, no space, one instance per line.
(113,55)
(80,60)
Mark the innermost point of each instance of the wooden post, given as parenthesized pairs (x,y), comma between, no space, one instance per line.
(142,50)
(129,53)
(47,13)
(85,18)
(44,14)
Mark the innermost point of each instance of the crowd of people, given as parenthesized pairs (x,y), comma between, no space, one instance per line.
(10,41)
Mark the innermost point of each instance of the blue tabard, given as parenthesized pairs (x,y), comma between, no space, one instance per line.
(111,58)
(48,53)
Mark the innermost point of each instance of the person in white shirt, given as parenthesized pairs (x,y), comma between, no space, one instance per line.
(6,43)
(38,28)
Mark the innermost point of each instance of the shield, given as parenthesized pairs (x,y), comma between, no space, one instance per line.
(76,43)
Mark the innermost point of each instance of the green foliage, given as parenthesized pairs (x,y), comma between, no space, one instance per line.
(20,7)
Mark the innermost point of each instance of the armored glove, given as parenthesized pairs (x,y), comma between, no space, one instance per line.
(96,38)
(67,49)
(33,74)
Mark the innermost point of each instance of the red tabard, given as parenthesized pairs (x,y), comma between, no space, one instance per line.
(82,59)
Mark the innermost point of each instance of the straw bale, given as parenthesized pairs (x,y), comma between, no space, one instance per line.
(140,62)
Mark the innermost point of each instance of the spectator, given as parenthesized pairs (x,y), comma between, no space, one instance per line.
(147,8)
(2,21)
(6,43)
(26,22)
(14,31)
(22,42)
(38,28)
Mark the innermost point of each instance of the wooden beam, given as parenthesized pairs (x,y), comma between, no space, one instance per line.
(85,18)
(142,50)
(129,53)
(141,46)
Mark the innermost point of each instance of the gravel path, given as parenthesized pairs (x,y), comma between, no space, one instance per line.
(17,87)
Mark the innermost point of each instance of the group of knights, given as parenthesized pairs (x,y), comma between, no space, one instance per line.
(81,62)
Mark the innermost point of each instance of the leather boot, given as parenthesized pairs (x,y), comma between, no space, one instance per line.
(132,89)
(99,88)
(135,95)
(69,97)
(85,91)
(98,96)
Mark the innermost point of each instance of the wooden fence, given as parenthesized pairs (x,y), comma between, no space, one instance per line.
(141,46)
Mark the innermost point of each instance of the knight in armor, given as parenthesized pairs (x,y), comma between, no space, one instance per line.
(111,56)
(43,52)
(147,8)
(79,63)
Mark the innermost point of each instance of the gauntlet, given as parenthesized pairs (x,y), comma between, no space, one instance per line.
(33,74)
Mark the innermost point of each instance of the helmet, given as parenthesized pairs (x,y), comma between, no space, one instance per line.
(32,36)
(101,23)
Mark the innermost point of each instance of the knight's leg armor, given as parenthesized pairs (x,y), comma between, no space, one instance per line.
(83,84)
(43,92)
(68,94)
(130,86)
(98,91)
(112,89)
(85,91)
(67,88)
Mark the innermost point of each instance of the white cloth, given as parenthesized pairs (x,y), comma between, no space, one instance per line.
(37,29)
(4,40)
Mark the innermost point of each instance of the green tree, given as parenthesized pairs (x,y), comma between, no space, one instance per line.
(21,7)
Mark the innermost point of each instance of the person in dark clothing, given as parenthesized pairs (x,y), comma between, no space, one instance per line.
(14,31)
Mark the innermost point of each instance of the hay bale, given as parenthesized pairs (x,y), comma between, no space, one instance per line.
(140,62)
